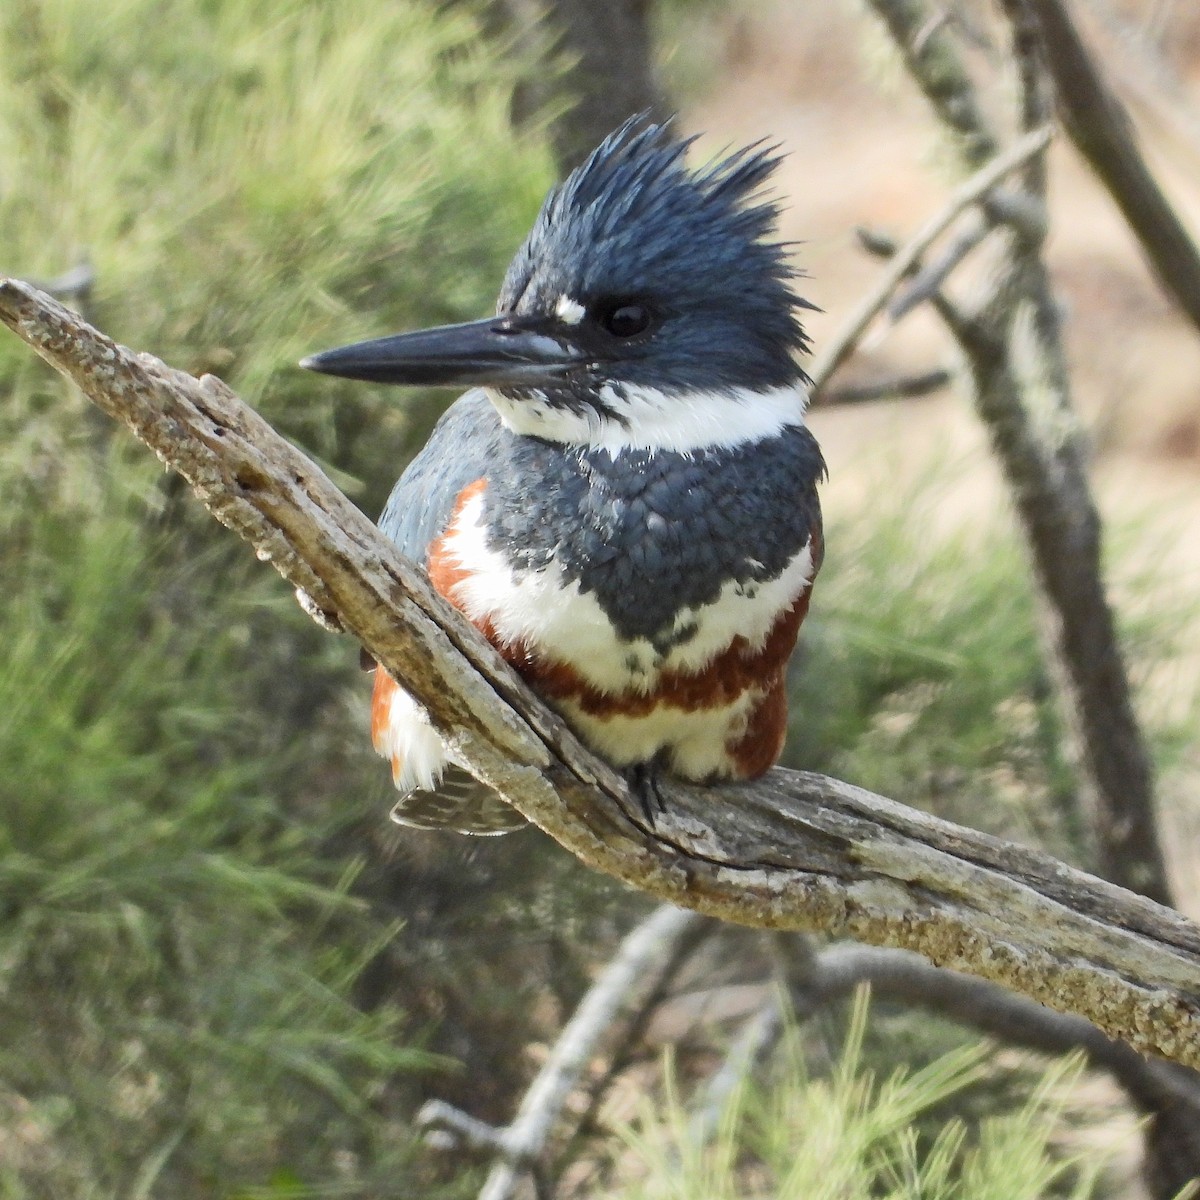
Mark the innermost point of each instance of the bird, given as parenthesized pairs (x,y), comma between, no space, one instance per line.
(625,500)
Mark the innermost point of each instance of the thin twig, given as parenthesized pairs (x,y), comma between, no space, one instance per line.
(633,971)
(902,387)
(930,53)
(75,284)
(971,192)
(1017,209)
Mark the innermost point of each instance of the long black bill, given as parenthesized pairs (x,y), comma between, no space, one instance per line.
(502,351)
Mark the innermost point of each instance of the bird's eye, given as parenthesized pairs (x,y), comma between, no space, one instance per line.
(625,320)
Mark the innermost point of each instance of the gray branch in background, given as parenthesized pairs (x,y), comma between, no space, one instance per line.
(816,978)
(1013,349)
(832,972)
(899,387)
(642,959)
(1101,128)
(648,955)
(792,850)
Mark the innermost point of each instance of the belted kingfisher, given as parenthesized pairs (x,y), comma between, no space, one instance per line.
(625,503)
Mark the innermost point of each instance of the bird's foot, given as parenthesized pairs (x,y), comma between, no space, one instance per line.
(643,782)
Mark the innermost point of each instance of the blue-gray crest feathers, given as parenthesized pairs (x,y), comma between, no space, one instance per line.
(634,221)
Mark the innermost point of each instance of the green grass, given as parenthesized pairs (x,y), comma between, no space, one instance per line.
(921,674)
(253,183)
(853,1133)
(184,935)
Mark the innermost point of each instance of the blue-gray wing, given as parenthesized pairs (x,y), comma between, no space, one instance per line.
(460,449)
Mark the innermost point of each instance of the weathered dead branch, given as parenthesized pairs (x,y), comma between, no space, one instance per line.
(792,851)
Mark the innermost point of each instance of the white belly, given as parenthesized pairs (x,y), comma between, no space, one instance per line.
(549,614)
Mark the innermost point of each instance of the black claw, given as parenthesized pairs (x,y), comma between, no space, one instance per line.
(643,781)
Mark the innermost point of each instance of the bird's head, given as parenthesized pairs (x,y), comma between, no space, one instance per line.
(648,307)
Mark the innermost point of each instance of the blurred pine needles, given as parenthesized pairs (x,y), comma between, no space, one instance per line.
(179,947)
(852,1133)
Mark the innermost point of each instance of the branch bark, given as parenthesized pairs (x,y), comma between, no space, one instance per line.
(791,851)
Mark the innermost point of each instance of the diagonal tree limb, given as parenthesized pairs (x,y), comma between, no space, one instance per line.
(1099,125)
(632,973)
(791,851)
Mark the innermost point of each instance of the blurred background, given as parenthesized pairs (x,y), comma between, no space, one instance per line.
(222,971)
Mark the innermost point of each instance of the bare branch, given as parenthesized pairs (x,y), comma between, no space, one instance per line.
(790,851)
(1013,349)
(1010,208)
(906,259)
(633,973)
(1102,131)
(832,972)
(924,39)
(447,1127)
(758,1037)
(902,387)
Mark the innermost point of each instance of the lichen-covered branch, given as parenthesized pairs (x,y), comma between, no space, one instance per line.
(791,851)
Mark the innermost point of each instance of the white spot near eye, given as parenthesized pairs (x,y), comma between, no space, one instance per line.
(569,311)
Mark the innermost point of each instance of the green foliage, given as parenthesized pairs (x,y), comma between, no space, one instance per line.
(921,673)
(220,974)
(184,936)
(175,968)
(253,182)
(851,1133)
